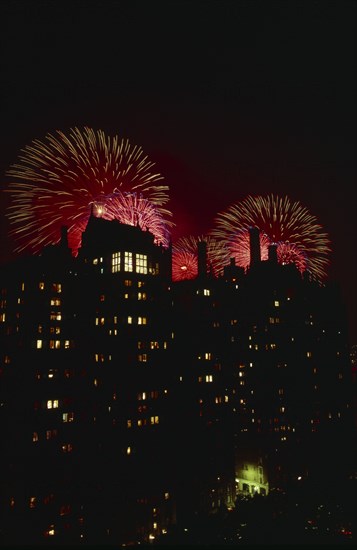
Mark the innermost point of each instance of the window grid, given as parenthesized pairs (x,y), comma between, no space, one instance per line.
(128,261)
(141,263)
(115,262)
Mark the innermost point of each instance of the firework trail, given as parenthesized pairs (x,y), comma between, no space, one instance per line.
(299,238)
(56,181)
(185,257)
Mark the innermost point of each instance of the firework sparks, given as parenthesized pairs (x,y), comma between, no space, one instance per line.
(298,236)
(185,257)
(56,181)
(133,209)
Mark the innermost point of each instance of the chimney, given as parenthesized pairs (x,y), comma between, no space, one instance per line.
(202,258)
(254,245)
(273,253)
(64,236)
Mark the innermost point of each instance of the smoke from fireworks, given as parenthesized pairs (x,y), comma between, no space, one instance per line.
(299,238)
(185,257)
(56,181)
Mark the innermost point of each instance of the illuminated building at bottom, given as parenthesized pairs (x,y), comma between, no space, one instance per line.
(130,403)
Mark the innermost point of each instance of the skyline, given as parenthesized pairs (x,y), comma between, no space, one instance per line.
(228,100)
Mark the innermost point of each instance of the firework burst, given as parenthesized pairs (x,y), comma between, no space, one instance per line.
(298,236)
(56,181)
(185,257)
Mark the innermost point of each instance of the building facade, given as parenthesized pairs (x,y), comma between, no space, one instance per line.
(130,403)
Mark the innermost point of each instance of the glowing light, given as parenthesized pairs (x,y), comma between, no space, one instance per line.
(298,236)
(56,182)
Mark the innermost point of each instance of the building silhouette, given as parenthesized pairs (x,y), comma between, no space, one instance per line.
(130,403)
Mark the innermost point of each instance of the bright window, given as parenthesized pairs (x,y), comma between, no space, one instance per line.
(128,261)
(115,262)
(141,263)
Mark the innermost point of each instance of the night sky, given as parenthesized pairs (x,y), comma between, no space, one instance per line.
(228,98)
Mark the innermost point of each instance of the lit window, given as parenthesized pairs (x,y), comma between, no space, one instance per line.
(154,269)
(115,262)
(130,320)
(142,358)
(128,450)
(55,302)
(209,378)
(51,531)
(55,316)
(68,417)
(67,448)
(276,303)
(141,320)
(41,285)
(128,282)
(35,437)
(141,295)
(154,345)
(95,261)
(308,354)
(128,261)
(208,356)
(32,502)
(128,423)
(57,287)
(154,419)
(39,344)
(206,292)
(141,263)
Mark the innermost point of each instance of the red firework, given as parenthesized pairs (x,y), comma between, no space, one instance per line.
(131,209)
(289,225)
(57,180)
(185,257)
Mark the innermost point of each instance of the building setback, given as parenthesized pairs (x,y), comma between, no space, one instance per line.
(130,403)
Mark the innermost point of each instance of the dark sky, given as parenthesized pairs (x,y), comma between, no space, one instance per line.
(228,98)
